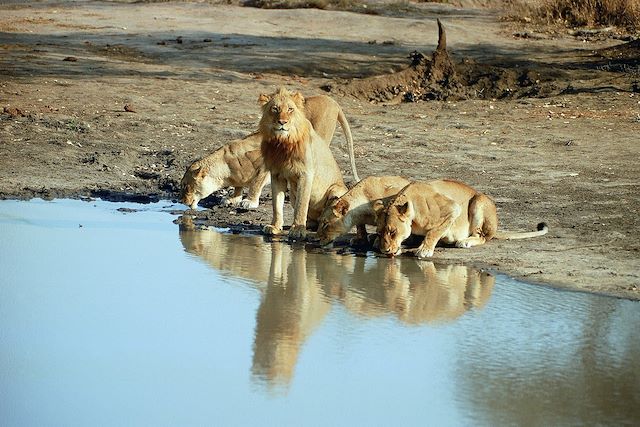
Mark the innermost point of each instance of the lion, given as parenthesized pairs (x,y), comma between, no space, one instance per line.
(355,208)
(239,164)
(445,211)
(297,158)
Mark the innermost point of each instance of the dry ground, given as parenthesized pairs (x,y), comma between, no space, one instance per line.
(192,72)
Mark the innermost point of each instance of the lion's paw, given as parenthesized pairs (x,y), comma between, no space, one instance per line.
(465,243)
(297,232)
(248,204)
(231,201)
(271,230)
(423,253)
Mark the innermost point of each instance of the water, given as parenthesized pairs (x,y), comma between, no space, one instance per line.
(114,317)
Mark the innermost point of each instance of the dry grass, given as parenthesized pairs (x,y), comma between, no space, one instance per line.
(571,13)
(580,13)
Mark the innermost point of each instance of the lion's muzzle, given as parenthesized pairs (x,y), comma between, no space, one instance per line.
(389,250)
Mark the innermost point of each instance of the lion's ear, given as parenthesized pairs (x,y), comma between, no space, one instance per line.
(341,207)
(263,99)
(405,209)
(202,172)
(298,98)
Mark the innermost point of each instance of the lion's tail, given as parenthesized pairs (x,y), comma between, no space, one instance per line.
(543,229)
(347,134)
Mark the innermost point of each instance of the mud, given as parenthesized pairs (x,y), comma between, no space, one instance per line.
(156,85)
(438,77)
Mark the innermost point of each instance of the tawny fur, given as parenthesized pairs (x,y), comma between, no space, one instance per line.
(239,164)
(298,160)
(355,208)
(443,211)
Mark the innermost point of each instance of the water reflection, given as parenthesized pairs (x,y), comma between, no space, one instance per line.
(584,373)
(299,286)
(125,327)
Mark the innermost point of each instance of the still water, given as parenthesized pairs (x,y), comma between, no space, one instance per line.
(115,317)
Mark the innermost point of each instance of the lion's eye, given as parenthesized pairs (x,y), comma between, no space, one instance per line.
(290,110)
(275,109)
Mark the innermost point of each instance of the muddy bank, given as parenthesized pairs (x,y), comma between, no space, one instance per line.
(438,77)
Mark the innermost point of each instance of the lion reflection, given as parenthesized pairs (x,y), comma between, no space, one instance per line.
(417,292)
(242,255)
(299,286)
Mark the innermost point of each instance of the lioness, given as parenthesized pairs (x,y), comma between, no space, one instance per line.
(443,210)
(355,207)
(239,164)
(297,158)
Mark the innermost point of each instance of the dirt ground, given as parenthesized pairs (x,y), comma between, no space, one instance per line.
(115,99)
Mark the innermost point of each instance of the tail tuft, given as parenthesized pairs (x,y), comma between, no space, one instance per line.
(543,229)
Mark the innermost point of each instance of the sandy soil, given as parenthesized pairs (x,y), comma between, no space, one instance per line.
(190,74)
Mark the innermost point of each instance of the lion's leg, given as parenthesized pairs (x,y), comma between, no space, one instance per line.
(490,215)
(449,211)
(235,199)
(278,188)
(483,222)
(298,230)
(255,189)
(293,191)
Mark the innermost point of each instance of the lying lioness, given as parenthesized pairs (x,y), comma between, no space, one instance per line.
(239,164)
(355,208)
(444,210)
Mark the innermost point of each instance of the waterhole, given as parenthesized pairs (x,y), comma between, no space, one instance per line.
(111,314)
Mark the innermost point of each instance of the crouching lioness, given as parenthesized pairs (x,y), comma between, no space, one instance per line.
(239,164)
(298,159)
(355,208)
(442,211)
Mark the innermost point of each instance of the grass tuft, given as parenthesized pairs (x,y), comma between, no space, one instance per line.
(624,14)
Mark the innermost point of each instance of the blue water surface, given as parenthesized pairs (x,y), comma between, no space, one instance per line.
(121,317)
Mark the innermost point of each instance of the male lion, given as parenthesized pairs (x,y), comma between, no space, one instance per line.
(239,164)
(297,158)
(444,210)
(355,208)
